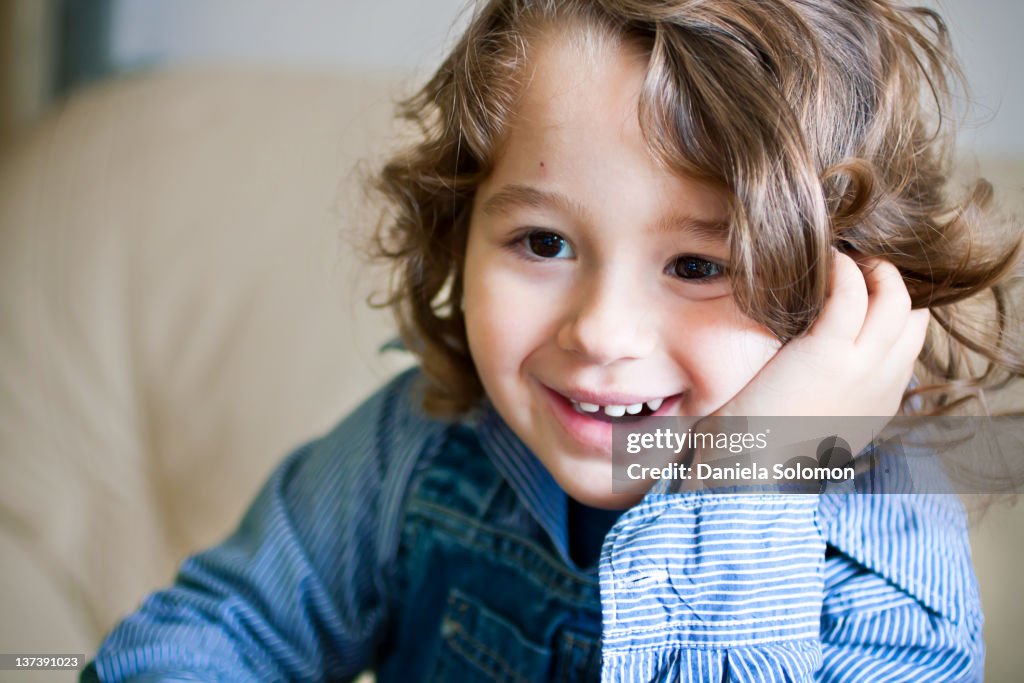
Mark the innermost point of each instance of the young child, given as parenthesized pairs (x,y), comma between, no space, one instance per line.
(629,207)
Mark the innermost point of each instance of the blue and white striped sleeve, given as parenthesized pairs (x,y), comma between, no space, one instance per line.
(901,600)
(300,591)
(748,587)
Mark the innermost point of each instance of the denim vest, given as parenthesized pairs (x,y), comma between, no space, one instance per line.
(482,594)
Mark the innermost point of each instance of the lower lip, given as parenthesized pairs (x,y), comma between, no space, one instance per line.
(589,432)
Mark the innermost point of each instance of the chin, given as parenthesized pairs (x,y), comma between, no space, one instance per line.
(599,495)
(607,501)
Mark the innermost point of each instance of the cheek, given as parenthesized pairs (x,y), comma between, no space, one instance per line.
(485,327)
(721,352)
(503,320)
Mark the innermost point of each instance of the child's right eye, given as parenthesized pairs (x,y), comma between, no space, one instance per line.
(548,245)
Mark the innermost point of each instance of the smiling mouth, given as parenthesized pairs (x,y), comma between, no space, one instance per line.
(590,424)
(615,413)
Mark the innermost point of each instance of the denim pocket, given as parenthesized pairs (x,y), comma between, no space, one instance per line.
(477,644)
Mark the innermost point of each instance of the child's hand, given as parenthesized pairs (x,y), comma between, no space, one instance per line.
(856,359)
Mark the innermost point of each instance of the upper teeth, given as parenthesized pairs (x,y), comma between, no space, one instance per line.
(617,411)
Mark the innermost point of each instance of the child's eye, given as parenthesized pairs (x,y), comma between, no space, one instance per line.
(695,268)
(548,245)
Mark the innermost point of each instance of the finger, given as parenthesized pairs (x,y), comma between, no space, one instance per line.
(907,347)
(896,368)
(847,302)
(888,304)
(900,362)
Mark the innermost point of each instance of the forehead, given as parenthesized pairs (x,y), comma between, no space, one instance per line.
(575,131)
(577,79)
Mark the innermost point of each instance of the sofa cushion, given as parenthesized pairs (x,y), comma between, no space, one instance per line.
(181,306)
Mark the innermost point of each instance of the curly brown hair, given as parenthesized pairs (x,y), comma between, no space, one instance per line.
(827,123)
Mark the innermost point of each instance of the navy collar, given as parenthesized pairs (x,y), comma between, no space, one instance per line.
(543,498)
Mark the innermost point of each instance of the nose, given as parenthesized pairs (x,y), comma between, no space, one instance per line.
(607,323)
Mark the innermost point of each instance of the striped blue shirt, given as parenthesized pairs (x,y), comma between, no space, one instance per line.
(698,586)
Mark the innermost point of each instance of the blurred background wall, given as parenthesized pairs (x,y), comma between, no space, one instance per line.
(51,47)
(27,48)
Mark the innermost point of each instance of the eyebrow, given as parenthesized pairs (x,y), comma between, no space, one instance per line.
(513,196)
(699,229)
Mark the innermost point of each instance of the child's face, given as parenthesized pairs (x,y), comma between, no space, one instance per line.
(588,277)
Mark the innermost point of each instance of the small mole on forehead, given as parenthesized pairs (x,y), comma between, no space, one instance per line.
(542,164)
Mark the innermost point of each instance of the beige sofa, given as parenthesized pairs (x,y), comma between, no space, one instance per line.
(181,305)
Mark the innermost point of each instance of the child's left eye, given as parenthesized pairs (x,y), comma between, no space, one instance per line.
(695,268)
